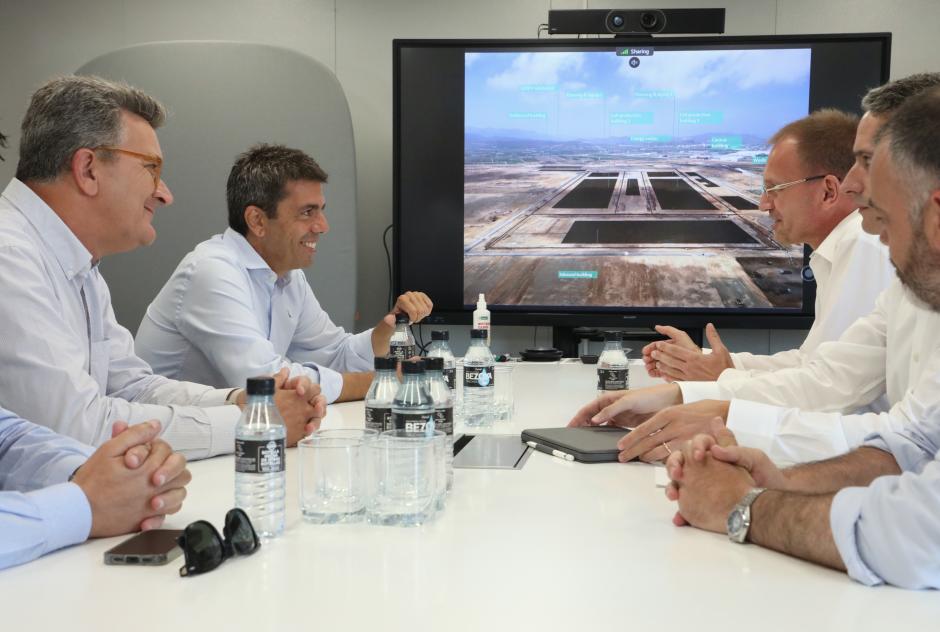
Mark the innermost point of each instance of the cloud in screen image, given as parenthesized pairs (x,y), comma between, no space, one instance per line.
(594,178)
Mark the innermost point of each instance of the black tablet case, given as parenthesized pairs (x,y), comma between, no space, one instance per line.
(589,444)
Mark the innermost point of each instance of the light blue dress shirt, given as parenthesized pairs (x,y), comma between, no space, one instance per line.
(889,532)
(225,316)
(67,363)
(39,510)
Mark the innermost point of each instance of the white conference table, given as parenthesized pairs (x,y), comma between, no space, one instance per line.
(553,546)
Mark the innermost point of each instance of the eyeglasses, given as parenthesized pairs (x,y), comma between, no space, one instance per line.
(786,185)
(205,549)
(154,163)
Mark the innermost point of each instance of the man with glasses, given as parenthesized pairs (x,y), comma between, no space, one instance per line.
(874,512)
(87,186)
(808,160)
(813,411)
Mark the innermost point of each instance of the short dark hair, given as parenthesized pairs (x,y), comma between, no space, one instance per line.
(824,140)
(3,143)
(69,113)
(889,97)
(259,178)
(913,138)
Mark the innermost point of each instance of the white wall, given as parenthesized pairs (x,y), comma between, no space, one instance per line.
(40,38)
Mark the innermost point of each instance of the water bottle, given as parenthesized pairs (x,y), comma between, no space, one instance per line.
(381,393)
(612,373)
(440,349)
(479,381)
(443,399)
(412,408)
(401,346)
(260,439)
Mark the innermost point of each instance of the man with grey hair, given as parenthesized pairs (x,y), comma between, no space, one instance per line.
(87,185)
(240,304)
(805,413)
(874,512)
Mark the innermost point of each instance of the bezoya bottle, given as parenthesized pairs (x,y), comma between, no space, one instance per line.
(612,367)
(443,400)
(381,394)
(260,441)
(479,379)
(440,349)
(401,345)
(412,408)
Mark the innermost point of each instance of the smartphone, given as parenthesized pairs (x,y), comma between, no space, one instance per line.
(148,548)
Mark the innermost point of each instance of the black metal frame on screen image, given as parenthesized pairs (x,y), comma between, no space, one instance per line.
(502,185)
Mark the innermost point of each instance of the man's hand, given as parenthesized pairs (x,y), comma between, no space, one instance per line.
(301,409)
(627,408)
(706,489)
(416,304)
(124,500)
(679,359)
(659,436)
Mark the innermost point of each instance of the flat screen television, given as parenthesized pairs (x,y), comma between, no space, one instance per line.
(608,182)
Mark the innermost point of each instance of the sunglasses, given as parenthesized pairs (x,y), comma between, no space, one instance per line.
(205,549)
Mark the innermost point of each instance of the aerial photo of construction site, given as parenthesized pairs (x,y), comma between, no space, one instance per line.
(610,180)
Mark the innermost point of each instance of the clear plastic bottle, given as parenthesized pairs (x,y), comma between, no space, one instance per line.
(612,367)
(260,441)
(440,349)
(381,394)
(402,343)
(412,408)
(443,399)
(479,381)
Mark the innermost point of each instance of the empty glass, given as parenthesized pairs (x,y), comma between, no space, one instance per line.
(406,477)
(503,406)
(333,474)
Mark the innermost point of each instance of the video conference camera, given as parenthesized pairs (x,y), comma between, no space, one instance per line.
(635,21)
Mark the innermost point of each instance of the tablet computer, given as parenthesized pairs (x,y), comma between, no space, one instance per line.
(588,444)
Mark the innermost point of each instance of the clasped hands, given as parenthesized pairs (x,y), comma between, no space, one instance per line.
(657,417)
(300,403)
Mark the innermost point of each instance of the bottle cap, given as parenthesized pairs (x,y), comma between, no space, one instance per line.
(412,367)
(401,318)
(440,334)
(477,333)
(385,363)
(434,364)
(613,336)
(261,385)
(481,301)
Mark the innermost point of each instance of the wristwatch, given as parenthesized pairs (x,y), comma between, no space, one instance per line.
(739,520)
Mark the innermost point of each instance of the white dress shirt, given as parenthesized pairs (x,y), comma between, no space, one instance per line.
(889,532)
(225,316)
(851,269)
(40,511)
(67,363)
(895,350)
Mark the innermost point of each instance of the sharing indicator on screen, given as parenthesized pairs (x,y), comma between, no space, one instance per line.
(577,274)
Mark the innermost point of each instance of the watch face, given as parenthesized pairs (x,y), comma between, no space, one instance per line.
(735,522)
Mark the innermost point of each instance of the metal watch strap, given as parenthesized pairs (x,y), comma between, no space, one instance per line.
(744,509)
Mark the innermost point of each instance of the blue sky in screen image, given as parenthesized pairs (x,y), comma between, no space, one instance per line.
(670,95)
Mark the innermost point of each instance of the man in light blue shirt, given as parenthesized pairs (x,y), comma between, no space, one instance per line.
(55,491)
(874,512)
(239,304)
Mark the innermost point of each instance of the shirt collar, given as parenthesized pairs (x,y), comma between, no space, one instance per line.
(69,252)
(249,257)
(827,249)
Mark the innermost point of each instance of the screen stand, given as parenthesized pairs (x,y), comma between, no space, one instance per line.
(568,338)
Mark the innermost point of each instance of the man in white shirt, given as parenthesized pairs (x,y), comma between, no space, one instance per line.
(874,512)
(87,185)
(887,352)
(239,304)
(809,159)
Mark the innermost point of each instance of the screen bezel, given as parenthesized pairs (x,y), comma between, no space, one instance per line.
(628,316)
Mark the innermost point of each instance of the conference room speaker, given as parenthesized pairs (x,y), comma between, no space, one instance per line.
(635,21)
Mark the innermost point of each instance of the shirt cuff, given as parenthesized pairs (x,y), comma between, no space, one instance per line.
(754,425)
(331,383)
(697,391)
(66,515)
(222,422)
(214,397)
(844,513)
(362,347)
